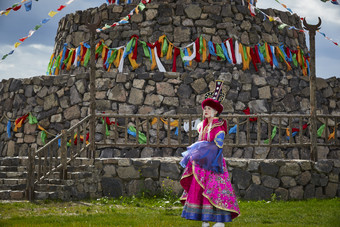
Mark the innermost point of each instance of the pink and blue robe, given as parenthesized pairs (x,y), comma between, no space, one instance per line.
(208,194)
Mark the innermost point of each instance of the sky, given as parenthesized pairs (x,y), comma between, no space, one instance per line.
(31,58)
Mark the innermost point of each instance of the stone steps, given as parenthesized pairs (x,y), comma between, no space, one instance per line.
(13,173)
(14,161)
(13,187)
(12,168)
(12,194)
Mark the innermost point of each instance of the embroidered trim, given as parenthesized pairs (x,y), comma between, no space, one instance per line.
(212,203)
(216,140)
(205,130)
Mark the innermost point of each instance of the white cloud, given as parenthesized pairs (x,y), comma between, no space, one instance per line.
(307,8)
(313,9)
(26,61)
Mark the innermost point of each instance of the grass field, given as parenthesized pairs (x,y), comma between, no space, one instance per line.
(158,211)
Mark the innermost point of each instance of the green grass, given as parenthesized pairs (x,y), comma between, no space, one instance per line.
(163,211)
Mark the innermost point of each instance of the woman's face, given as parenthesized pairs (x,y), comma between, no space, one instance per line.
(209,112)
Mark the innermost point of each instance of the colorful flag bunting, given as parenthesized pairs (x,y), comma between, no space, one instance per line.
(28,6)
(125,20)
(197,50)
(292,27)
(17,6)
(141,136)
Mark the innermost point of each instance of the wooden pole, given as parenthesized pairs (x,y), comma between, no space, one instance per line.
(92,28)
(63,155)
(29,192)
(312,84)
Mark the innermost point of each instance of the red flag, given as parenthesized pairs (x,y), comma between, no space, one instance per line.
(17,8)
(61,7)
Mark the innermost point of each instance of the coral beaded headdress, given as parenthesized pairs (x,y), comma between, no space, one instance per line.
(214,99)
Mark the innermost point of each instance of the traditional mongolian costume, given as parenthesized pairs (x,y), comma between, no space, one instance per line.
(208,194)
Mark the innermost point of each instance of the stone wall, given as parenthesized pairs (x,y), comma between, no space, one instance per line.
(59,102)
(182,22)
(251,179)
(62,101)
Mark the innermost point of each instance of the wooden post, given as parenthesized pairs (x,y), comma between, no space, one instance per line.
(312,84)
(92,28)
(63,155)
(29,193)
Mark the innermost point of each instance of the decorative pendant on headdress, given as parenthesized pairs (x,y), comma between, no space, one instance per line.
(217,94)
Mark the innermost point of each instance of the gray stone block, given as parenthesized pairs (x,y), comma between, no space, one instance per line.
(281,194)
(258,192)
(290,169)
(304,178)
(270,182)
(296,193)
(150,172)
(128,172)
(331,190)
(324,166)
(241,178)
(269,169)
(309,191)
(135,187)
(170,170)
(112,187)
(288,182)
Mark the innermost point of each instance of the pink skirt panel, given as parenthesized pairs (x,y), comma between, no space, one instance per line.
(209,188)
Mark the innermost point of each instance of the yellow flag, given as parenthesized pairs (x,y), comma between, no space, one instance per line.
(189,52)
(332,135)
(52,13)
(154,121)
(7,12)
(133,61)
(17,44)
(172,124)
(41,128)
(154,63)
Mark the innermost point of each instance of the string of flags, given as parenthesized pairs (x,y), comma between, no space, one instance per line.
(282,25)
(294,131)
(323,34)
(51,14)
(117,2)
(15,7)
(125,20)
(335,2)
(19,122)
(200,50)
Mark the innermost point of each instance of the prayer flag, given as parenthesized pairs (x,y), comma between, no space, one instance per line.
(44,21)
(16,44)
(61,7)
(52,13)
(28,6)
(9,127)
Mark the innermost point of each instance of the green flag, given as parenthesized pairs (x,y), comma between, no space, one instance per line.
(272,136)
(32,120)
(320,130)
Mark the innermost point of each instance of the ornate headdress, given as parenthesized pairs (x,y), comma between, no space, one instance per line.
(214,98)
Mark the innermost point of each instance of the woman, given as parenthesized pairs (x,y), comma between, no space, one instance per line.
(208,194)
